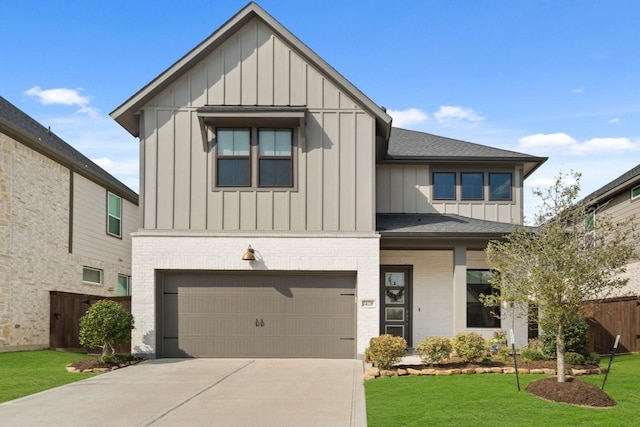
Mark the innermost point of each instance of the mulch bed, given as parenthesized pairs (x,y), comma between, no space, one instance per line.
(573,391)
(95,362)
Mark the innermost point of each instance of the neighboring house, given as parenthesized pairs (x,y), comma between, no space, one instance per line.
(65,226)
(620,200)
(282,216)
(619,313)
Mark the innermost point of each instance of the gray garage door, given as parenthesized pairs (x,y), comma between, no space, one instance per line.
(256,315)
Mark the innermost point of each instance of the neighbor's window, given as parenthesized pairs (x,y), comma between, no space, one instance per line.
(91,275)
(472,185)
(635,192)
(275,157)
(499,186)
(444,185)
(114,215)
(590,228)
(124,285)
(478,315)
(233,157)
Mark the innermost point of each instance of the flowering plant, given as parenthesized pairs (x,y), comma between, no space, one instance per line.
(499,337)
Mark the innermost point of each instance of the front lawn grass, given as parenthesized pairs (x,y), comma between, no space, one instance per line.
(27,372)
(492,399)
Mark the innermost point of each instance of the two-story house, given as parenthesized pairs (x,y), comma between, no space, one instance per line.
(620,313)
(283,216)
(65,227)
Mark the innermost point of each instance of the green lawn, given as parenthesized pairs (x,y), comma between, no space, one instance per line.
(27,372)
(493,400)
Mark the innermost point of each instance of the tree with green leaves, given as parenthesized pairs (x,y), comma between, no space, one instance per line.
(563,260)
(106,325)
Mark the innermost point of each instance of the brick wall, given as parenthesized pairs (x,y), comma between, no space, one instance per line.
(34,252)
(157,250)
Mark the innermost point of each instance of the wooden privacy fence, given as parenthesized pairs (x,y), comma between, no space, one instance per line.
(619,316)
(65,312)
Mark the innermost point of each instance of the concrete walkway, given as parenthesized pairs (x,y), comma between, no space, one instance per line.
(204,392)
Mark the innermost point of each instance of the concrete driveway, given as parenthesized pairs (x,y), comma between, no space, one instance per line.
(204,392)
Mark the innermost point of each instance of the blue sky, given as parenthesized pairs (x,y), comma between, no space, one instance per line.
(549,78)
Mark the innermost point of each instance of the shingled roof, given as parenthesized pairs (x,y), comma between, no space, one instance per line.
(630,177)
(440,225)
(410,145)
(23,128)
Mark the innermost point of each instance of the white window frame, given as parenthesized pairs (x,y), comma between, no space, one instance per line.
(109,215)
(635,189)
(89,282)
(128,290)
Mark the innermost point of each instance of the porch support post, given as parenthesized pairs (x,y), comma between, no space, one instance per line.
(459,289)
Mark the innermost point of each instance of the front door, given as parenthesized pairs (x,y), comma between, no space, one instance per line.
(395,301)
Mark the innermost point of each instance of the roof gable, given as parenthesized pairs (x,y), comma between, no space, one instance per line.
(409,145)
(126,114)
(26,130)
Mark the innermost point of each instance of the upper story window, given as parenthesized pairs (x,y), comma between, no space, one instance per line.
(472,185)
(500,186)
(234,157)
(275,157)
(114,215)
(635,192)
(250,157)
(444,185)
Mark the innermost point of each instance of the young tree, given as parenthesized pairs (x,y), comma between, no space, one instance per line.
(105,325)
(563,260)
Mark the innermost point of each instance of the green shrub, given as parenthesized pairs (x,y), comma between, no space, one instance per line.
(105,325)
(591,358)
(434,349)
(503,353)
(469,346)
(572,358)
(575,339)
(386,350)
(529,355)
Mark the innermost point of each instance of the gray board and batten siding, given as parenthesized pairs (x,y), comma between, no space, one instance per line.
(274,314)
(334,147)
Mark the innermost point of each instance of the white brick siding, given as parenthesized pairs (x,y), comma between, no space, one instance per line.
(436,311)
(210,252)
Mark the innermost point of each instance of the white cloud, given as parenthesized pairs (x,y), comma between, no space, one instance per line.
(547,140)
(63,96)
(578,89)
(605,145)
(408,117)
(540,182)
(615,121)
(449,114)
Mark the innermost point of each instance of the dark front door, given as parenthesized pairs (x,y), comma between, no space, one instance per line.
(395,301)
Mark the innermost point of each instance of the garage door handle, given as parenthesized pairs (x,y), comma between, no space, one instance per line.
(257,323)
(261,322)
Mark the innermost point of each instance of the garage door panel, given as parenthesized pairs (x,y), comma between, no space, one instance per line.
(258,315)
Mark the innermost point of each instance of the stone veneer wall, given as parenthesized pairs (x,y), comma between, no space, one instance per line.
(34,241)
(165,250)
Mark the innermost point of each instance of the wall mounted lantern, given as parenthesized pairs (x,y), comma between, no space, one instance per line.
(249,255)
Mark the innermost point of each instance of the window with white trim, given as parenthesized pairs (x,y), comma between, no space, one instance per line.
(590,228)
(635,192)
(114,215)
(124,285)
(91,276)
